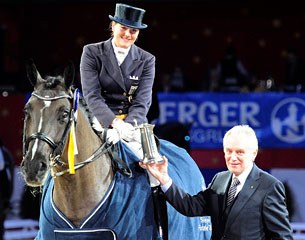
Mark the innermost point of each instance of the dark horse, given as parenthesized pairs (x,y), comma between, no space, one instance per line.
(98,201)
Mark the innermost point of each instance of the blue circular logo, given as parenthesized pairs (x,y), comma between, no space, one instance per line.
(288,120)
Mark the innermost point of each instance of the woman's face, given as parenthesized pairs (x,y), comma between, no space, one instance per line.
(124,36)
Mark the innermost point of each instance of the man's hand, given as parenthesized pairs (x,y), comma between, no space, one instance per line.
(158,170)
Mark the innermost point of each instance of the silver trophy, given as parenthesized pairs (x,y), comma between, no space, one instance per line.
(149,146)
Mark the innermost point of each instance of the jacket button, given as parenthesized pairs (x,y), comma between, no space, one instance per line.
(120,111)
(124,94)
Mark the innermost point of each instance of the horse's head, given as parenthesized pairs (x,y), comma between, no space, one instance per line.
(46,123)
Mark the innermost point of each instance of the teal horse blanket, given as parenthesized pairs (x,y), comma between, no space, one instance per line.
(126,211)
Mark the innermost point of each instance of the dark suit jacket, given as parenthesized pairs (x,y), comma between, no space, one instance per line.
(258,212)
(105,84)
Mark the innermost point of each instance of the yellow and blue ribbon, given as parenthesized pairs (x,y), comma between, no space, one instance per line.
(72,145)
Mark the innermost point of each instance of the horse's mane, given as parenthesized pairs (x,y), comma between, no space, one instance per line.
(84,105)
(96,126)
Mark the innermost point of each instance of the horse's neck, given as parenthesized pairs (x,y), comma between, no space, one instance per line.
(76,195)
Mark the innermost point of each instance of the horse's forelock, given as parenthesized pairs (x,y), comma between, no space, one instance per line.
(53,82)
(52,86)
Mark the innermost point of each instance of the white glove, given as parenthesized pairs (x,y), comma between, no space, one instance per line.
(112,136)
(137,135)
(125,130)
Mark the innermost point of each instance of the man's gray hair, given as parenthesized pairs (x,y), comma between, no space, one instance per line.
(244,130)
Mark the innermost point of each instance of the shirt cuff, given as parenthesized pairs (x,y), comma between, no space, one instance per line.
(167,185)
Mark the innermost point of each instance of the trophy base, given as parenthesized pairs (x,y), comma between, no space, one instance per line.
(152,160)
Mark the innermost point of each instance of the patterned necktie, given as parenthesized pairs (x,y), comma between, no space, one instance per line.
(232,191)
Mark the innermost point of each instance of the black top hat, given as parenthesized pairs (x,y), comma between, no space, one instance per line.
(129,16)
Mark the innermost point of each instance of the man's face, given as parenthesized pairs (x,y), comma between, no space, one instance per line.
(124,36)
(239,153)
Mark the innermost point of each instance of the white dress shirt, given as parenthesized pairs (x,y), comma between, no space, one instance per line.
(120,53)
(242,178)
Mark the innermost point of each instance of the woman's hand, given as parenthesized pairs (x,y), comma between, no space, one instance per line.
(125,130)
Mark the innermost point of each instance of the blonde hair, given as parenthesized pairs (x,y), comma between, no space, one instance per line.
(244,130)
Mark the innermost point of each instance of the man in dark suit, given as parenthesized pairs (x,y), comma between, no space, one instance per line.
(255,209)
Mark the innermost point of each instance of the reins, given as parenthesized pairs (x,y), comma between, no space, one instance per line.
(54,161)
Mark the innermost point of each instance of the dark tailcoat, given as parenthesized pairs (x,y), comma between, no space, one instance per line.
(258,212)
(105,84)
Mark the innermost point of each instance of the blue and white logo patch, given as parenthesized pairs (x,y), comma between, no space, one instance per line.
(288,120)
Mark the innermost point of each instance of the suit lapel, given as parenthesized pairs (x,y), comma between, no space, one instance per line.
(111,64)
(244,195)
(224,189)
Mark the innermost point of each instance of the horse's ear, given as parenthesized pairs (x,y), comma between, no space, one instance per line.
(32,72)
(69,74)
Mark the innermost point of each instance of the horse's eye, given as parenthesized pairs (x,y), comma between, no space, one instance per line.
(65,115)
